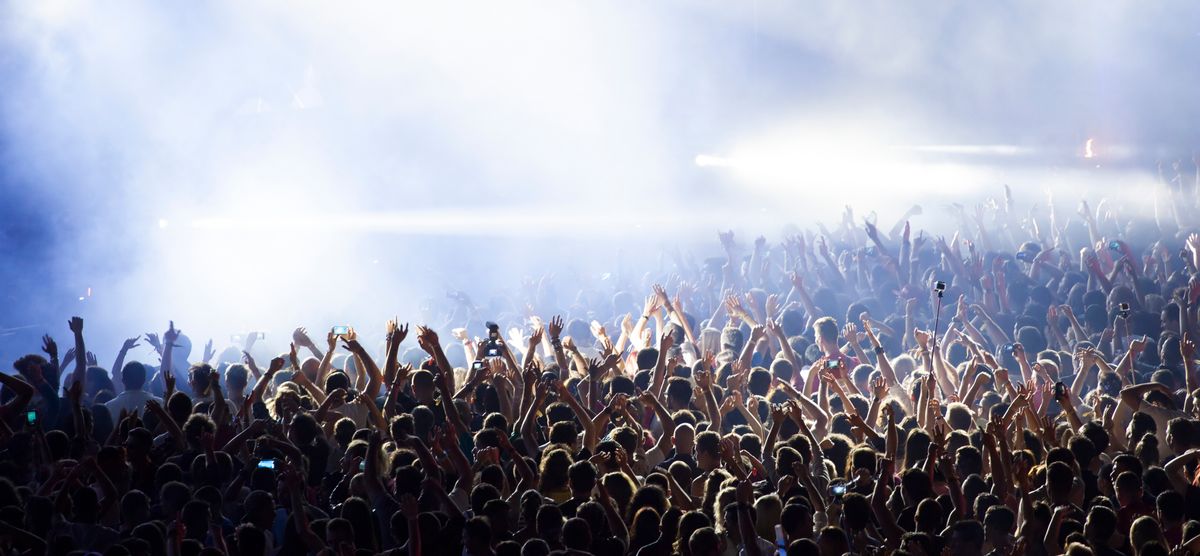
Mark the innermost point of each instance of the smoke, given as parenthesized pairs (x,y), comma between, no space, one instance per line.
(237,165)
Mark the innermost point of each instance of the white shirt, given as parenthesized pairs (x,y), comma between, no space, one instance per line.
(130,401)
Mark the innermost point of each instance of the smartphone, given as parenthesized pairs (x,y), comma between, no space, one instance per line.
(780,541)
(1124,310)
(341,330)
(477,366)
(832,364)
(1114,246)
(351,395)
(31,417)
(362,465)
(1060,390)
(837,490)
(266,464)
(1008,348)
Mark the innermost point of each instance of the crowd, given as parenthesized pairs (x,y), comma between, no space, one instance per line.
(1026,386)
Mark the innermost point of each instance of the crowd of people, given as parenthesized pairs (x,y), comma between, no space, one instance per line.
(1025,386)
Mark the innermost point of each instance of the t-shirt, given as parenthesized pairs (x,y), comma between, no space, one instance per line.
(130,401)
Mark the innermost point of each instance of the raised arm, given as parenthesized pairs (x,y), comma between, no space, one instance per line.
(76,325)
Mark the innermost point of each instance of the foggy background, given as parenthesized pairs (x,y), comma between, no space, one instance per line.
(262,165)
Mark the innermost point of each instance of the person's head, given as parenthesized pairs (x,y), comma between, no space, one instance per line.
(237,377)
(553,471)
(708,450)
(338,532)
(577,535)
(259,509)
(135,509)
(833,541)
(1060,478)
(1140,425)
(250,540)
(689,523)
(1170,507)
(133,375)
(705,542)
(825,330)
(685,438)
(958,416)
(1144,530)
(477,536)
(422,385)
(581,477)
(1128,487)
(1100,524)
(966,538)
(196,517)
(549,523)
(200,378)
(998,522)
(679,393)
(1181,434)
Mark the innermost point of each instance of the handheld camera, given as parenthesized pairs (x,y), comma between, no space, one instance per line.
(1123,310)
(837,490)
(493,347)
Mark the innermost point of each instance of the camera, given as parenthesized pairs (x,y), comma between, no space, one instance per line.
(832,364)
(1123,310)
(939,286)
(1114,246)
(493,347)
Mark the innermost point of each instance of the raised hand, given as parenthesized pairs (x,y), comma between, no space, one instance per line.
(76,325)
(665,342)
(300,337)
(169,380)
(661,293)
(396,333)
(209,352)
(129,343)
(171,334)
(535,338)
(152,339)
(598,330)
(555,327)
(427,339)
(757,333)
(879,388)
(49,346)
(293,357)
(727,240)
(1187,347)
(91,359)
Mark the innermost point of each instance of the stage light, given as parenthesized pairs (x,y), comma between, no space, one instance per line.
(1087,149)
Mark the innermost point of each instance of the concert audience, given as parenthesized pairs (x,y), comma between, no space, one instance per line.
(1026,386)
